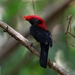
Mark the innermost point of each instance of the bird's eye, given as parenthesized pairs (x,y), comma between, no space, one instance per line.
(32,19)
(37,21)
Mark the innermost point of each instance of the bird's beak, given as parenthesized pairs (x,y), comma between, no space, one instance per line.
(25,17)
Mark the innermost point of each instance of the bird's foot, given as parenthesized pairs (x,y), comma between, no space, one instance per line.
(6,30)
(31,44)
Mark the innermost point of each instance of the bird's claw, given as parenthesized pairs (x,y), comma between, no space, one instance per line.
(6,30)
(31,44)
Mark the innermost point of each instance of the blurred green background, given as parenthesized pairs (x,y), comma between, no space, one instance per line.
(15,59)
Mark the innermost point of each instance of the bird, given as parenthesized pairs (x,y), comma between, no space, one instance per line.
(42,35)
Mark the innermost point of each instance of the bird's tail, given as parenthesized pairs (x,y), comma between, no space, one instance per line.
(44,55)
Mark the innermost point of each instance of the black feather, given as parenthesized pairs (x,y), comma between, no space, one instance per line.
(43,37)
(44,55)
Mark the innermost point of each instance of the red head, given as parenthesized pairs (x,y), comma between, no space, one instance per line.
(34,19)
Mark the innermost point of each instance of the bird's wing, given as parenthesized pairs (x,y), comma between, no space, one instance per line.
(39,35)
(50,39)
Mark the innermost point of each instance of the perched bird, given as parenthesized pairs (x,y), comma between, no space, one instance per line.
(40,32)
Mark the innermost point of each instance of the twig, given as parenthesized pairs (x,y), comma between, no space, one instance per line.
(72,45)
(71,34)
(67,30)
(69,22)
(27,44)
(33,5)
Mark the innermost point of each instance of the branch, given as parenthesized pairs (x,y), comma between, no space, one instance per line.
(30,47)
(69,26)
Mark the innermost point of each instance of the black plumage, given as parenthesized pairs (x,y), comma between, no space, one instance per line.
(43,37)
